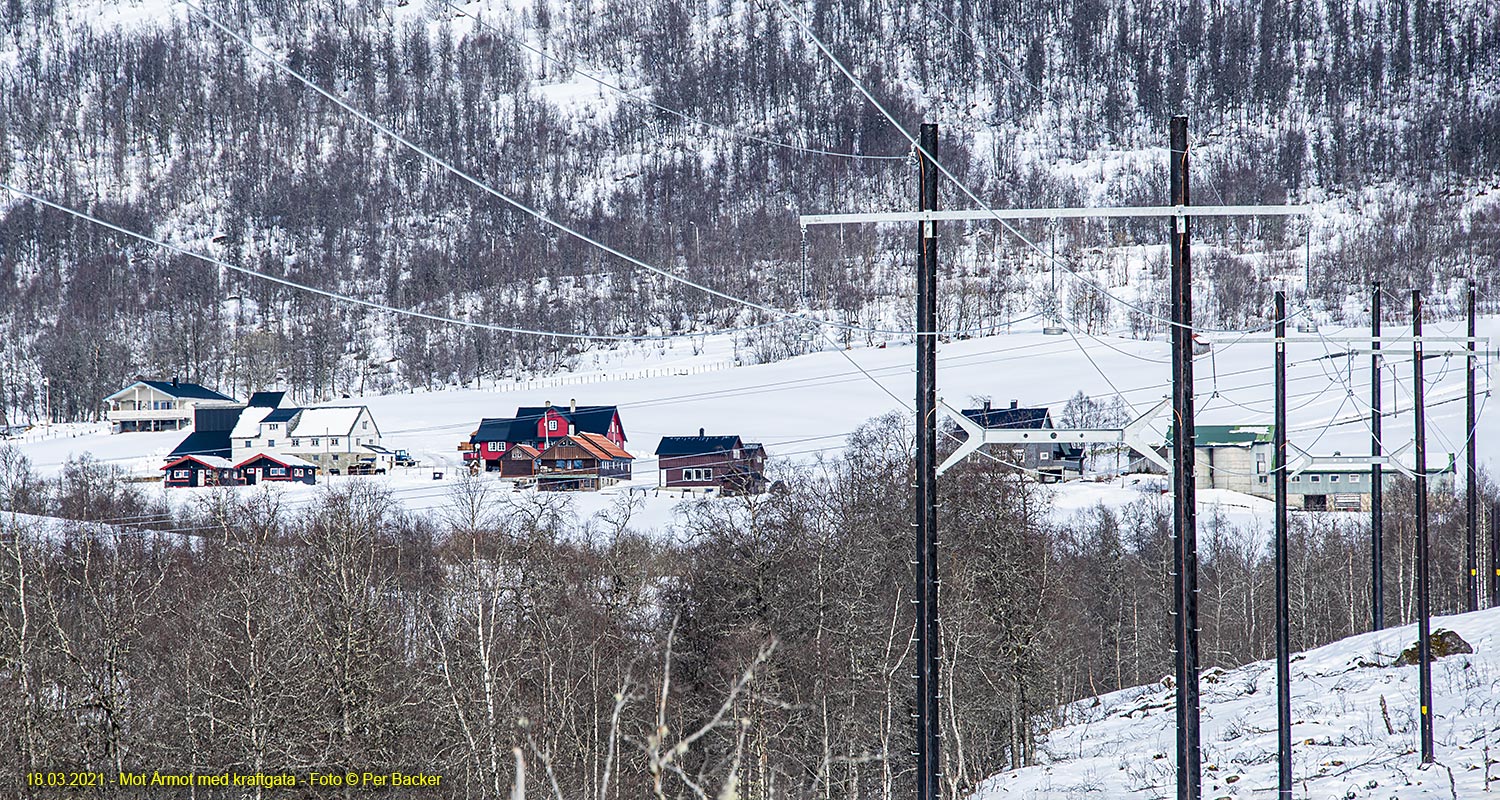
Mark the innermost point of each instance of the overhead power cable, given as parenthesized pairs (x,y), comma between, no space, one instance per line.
(626,93)
(514,203)
(406,312)
(1001,58)
(1361,415)
(974,198)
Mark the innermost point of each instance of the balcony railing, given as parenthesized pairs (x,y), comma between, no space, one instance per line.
(144,414)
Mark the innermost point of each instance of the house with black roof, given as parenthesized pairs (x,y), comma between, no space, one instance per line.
(210,436)
(213,426)
(539,427)
(147,405)
(1047,460)
(724,464)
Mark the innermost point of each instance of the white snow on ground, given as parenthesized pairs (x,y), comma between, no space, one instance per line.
(1122,745)
(806,406)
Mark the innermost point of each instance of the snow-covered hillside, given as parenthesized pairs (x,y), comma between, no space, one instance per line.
(1354,728)
(147,114)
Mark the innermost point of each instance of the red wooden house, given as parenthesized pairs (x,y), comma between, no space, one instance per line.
(539,427)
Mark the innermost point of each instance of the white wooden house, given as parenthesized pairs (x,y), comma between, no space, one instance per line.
(330,438)
(160,405)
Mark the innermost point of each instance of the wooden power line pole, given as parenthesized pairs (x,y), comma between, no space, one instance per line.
(1471,488)
(1185,512)
(929,721)
(1424,621)
(1377,478)
(1495,554)
(1185,539)
(1283,612)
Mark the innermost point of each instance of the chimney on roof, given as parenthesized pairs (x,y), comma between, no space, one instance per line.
(700,433)
(174,381)
(986,405)
(549,404)
(1015,404)
(572,404)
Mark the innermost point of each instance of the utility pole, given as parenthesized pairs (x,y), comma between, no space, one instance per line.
(1424,644)
(1185,513)
(802,280)
(1377,479)
(1283,613)
(1471,490)
(1495,554)
(929,721)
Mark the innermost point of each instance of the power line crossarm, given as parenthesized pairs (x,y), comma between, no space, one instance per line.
(1133,434)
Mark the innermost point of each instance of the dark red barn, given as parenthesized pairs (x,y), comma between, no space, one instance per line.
(725,464)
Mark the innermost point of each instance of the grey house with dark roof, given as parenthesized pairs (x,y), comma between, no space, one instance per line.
(1049,461)
(160,405)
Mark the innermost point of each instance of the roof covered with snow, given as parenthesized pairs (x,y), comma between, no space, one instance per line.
(331,421)
(207,461)
(284,459)
(248,426)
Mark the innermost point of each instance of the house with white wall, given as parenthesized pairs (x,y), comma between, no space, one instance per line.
(330,437)
(160,405)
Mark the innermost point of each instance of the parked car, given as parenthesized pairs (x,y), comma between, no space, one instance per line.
(365,466)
